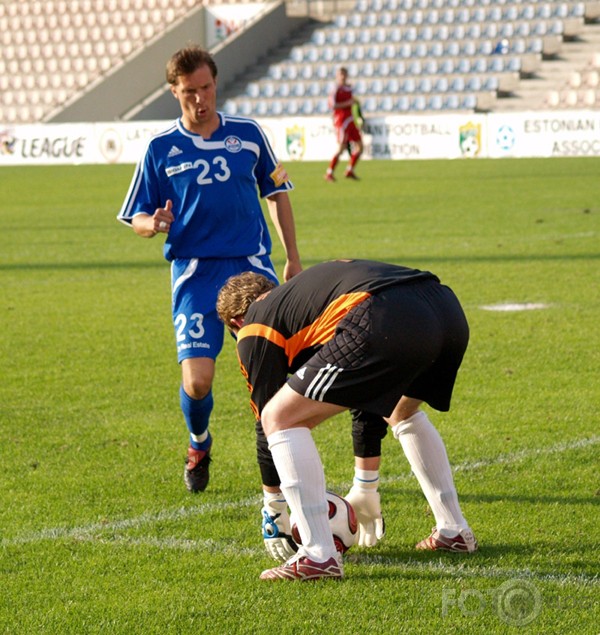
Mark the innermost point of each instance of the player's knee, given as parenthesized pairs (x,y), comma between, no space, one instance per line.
(268,420)
(197,387)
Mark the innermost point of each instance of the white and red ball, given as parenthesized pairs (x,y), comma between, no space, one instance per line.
(342,521)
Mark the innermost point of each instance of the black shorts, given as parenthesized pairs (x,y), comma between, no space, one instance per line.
(406,340)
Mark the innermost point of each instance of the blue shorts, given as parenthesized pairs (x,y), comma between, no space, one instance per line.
(195,284)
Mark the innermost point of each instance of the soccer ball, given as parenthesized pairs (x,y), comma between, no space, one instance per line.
(342,521)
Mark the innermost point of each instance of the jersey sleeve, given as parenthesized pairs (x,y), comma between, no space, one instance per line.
(143,195)
(270,175)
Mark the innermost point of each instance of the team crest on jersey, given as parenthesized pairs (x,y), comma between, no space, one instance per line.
(233,144)
(470,139)
(294,141)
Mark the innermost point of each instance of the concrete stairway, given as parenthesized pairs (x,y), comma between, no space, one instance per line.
(547,87)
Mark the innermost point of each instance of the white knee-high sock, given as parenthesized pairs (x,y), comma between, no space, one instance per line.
(426,453)
(303,484)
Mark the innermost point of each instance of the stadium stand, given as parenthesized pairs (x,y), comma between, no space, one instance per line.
(403,55)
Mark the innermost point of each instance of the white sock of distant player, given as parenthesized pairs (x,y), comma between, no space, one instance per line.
(303,485)
(426,453)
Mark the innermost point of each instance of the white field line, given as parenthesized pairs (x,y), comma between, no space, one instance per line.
(513,457)
(93,532)
(461,570)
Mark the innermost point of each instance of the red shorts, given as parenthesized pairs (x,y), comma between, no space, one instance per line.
(348,133)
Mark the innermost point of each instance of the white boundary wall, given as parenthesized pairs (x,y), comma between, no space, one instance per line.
(494,135)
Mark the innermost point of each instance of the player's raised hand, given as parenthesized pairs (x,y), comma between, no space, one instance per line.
(163,217)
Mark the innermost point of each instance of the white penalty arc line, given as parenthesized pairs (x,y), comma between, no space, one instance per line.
(94,530)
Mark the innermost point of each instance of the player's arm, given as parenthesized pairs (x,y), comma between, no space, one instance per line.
(280,210)
(143,208)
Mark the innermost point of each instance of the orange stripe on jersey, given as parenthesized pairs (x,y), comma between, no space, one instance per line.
(260,330)
(319,332)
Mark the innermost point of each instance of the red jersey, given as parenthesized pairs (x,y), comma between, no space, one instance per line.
(341,115)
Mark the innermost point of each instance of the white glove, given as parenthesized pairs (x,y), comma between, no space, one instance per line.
(277,533)
(367,506)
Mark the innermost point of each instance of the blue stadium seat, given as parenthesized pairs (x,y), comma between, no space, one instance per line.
(409,85)
(402,103)
(451,102)
(283,90)
(457,84)
(392,86)
(253,90)
(230,107)
(376,86)
(306,107)
(435,102)
(543,10)
(491,82)
(415,67)
(369,104)
(383,68)
(321,107)
(441,85)
(340,54)
(522,29)
(430,67)
(469,102)
(395,34)
(276,108)
(425,85)
(319,37)
(447,66)
(386,104)
(474,83)
(275,72)
(464,65)
(268,90)
(261,109)
(398,67)
(419,103)
(405,50)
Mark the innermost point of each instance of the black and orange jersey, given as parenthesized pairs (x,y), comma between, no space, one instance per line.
(286,327)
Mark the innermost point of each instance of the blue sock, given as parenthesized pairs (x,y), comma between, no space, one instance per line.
(197,413)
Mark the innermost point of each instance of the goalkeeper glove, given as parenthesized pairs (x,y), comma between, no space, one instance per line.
(276,530)
(367,507)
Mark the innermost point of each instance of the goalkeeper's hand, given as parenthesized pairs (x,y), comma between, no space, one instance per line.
(367,507)
(277,534)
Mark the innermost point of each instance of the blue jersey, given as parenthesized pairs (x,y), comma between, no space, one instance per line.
(214,185)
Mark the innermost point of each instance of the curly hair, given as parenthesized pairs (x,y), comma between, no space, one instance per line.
(239,292)
(187,60)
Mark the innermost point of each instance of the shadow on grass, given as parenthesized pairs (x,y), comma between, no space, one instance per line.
(68,266)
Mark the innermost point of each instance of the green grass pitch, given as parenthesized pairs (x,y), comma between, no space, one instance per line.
(97,533)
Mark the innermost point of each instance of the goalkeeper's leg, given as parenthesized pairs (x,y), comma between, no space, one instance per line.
(303,484)
(426,453)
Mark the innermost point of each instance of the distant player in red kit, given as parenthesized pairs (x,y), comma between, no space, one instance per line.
(347,132)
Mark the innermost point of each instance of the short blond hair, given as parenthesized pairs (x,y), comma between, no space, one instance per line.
(239,292)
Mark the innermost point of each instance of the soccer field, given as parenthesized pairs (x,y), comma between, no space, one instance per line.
(99,535)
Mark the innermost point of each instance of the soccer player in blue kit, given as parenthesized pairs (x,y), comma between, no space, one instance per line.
(199,184)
